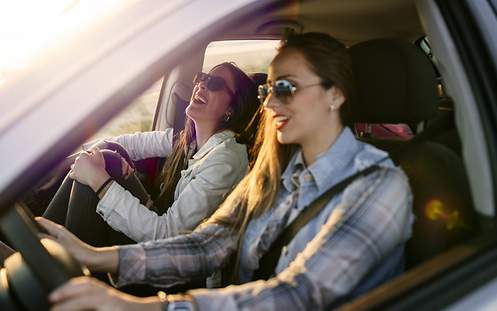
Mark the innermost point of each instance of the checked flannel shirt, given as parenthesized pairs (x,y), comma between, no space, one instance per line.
(354,244)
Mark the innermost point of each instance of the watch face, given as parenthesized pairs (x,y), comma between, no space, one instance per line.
(180,306)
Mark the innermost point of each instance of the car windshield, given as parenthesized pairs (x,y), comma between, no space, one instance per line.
(27,27)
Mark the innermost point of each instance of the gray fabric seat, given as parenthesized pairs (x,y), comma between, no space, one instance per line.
(397,84)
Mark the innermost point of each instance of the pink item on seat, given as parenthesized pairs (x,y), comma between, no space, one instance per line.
(383,130)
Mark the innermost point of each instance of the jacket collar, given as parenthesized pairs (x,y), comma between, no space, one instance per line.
(212,142)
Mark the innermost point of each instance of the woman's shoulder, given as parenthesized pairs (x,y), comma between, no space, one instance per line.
(230,145)
(230,151)
(227,151)
(388,172)
(368,155)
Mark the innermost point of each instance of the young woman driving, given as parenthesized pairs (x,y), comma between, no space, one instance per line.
(202,166)
(353,244)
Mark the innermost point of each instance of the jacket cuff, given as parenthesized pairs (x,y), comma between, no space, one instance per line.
(106,205)
(131,266)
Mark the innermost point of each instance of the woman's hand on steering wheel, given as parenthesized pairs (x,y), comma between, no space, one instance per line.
(100,259)
(85,293)
(80,250)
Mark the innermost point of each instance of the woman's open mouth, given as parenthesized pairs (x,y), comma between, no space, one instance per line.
(280,121)
(198,99)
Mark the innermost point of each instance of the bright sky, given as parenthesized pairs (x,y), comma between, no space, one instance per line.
(26,26)
(249,55)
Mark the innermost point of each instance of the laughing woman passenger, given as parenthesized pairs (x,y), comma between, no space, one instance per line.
(353,242)
(203,165)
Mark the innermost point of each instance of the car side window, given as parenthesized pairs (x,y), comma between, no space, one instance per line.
(252,56)
(137,117)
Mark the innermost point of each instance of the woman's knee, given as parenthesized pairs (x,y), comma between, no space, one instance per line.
(113,163)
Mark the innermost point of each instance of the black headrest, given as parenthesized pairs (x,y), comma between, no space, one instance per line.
(396,83)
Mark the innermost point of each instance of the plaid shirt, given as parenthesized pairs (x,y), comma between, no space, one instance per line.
(354,244)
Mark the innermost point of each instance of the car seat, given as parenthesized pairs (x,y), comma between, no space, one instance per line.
(396,83)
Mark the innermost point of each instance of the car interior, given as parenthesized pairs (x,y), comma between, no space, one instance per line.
(398,82)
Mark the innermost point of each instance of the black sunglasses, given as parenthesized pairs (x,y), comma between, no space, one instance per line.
(281,89)
(212,83)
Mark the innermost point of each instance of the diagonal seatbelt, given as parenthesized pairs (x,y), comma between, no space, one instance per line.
(268,262)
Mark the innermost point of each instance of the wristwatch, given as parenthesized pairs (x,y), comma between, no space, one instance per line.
(176,302)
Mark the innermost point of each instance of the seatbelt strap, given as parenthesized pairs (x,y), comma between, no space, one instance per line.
(268,262)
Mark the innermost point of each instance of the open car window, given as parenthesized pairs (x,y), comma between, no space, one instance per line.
(252,56)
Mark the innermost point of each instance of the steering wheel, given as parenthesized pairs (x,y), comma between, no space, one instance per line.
(38,267)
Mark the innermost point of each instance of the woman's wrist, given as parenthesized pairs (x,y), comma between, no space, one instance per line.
(142,304)
(104,259)
(100,192)
(183,302)
(98,180)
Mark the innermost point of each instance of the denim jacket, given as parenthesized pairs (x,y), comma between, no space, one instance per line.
(211,173)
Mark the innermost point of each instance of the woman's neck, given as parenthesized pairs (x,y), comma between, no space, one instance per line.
(203,132)
(318,144)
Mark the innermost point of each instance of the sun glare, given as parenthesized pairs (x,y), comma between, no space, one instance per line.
(26,26)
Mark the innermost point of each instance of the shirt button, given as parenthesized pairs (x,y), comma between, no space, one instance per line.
(284,251)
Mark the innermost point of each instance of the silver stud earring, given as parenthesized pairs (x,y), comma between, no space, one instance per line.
(332,107)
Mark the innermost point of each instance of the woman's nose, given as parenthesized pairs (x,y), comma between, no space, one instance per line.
(202,85)
(271,101)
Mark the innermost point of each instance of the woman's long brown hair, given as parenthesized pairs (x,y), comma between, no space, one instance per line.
(243,105)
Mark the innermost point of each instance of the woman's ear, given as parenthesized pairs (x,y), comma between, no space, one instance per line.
(336,98)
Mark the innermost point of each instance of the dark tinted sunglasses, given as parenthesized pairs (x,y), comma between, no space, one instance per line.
(281,89)
(212,83)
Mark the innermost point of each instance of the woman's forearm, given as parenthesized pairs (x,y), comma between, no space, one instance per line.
(144,304)
(104,259)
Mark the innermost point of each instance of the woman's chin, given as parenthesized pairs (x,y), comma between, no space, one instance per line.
(192,112)
(284,138)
